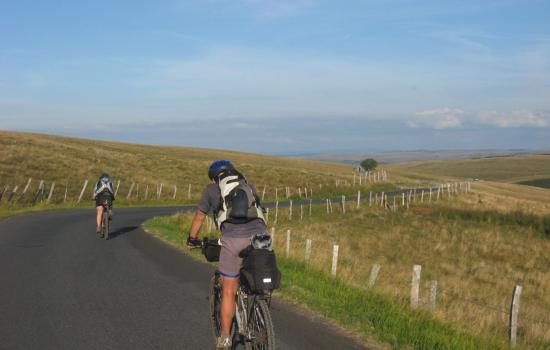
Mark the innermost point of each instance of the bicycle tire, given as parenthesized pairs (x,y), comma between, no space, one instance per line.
(105,224)
(262,332)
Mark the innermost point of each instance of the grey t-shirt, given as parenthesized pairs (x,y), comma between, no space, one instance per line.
(209,203)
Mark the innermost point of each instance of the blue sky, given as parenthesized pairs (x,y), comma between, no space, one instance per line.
(280,76)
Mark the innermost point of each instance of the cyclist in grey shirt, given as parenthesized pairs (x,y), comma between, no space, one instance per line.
(234,238)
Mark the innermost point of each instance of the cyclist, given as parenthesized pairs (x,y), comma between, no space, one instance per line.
(234,238)
(103,192)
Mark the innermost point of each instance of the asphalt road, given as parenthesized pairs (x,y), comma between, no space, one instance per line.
(61,287)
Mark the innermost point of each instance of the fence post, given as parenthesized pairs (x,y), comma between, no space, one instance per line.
(328,210)
(175,192)
(358,198)
(373,275)
(51,192)
(189,192)
(263,194)
(66,190)
(290,211)
(160,191)
(310,204)
(146,192)
(433,294)
(117,185)
(334,259)
(415,288)
(301,211)
(308,250)
(514,312)
(287,242)
(343,204)
(276,211)
(81,192)
(130,190)
(13,193)
(370,198)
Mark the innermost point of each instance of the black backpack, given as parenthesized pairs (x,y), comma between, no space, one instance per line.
(238,203)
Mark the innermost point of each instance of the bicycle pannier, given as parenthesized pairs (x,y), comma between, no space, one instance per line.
(211,250)
(259,272)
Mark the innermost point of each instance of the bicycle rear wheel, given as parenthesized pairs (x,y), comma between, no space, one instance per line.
(105,224)
(260,326)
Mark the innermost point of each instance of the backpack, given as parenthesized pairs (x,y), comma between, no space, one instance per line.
(238,204)
(259,272)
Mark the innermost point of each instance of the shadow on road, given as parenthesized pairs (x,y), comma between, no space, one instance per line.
(122,231)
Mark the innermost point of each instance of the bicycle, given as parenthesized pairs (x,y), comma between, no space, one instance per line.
(105,219)
(252,325)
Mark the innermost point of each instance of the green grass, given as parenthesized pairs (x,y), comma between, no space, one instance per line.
(367,313)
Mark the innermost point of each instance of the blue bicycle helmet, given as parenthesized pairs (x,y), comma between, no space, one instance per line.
(218,166)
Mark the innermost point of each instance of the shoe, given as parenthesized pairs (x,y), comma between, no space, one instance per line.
(223,343)
(98,230)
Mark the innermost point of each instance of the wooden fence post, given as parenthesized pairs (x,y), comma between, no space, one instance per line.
(175,192)
(373,275)
(276,212)
(263,194)
(415,288)
(290,211)
(301,211)
(66,190)
(433,294)
(310,204)
(160,191)
(81,192)
(146,192)
(370,198)
(334,259)
(308,250)
(51,192)
(13,193)
(189,192)
(328,209)
(343,204)
(287,242)
(117,186)
(514,312)
(130,190)
(358,198)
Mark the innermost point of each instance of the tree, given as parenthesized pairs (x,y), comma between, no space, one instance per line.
(369,164)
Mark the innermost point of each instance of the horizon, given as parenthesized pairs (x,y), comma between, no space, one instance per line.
(281,77)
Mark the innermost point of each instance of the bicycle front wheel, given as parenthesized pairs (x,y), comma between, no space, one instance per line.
(261,327)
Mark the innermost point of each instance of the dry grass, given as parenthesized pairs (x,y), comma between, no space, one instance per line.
(469,246)
(69,161)
(502,169)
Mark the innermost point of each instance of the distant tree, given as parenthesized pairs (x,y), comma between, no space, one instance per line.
(369,164)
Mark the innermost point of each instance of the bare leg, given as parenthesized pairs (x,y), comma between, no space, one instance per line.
(227,312)
(99,214)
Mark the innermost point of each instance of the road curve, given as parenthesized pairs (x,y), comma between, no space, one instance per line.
(61,287)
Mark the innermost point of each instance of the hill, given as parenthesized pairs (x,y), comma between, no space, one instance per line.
(141,169)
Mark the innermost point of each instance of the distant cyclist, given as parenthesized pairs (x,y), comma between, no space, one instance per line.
(239,216)
(103,192)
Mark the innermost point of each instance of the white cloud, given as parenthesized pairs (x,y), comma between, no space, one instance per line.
(442,118)
(515,119)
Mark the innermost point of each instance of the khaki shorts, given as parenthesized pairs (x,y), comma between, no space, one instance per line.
(230,263)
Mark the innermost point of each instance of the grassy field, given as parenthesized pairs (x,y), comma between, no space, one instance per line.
(67,162)
(475,250)
(382,321)
(501,169)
